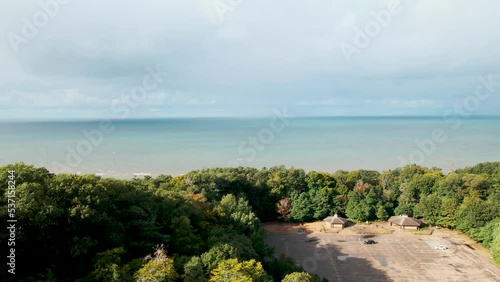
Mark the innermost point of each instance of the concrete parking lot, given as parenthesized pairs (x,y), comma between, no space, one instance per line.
(411,257)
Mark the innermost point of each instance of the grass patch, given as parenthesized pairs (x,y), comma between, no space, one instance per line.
(330,230)
(423,232)
(371,230)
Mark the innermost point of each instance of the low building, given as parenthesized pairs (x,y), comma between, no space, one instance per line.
(405,222)
(335,221)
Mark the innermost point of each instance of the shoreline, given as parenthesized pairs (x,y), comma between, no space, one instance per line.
(128,175)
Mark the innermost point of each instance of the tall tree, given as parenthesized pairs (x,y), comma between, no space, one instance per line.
(429,208)
(301,207)
(357,208)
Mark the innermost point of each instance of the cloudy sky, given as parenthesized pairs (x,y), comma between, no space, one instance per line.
(244,58)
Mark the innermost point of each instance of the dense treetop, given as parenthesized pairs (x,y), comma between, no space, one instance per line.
(206,225)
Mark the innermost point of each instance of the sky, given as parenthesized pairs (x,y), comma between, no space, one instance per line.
(67,59)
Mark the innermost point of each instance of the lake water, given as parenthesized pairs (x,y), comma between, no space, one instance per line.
(176,146)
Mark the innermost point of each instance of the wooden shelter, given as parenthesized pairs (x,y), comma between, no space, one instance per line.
(405,222)
(335,221)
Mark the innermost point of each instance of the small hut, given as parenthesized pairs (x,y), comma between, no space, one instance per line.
(335,221)
(405,222)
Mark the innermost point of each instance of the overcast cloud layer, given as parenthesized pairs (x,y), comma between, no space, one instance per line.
(260,55)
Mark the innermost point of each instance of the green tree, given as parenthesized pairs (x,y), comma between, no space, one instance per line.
(489,168)
(357,208)
(486,234)
(318,180)
(107,266)
(245,247)
(323,202)
(238,214)
(474,213)
(322,194)
(448,211)
(409,171)
(159,268)
(388,180)
(430,208)
(184,237)
(231,270)
(382,213)
(404,208)
(369,177)
(341,177)
(495,245)
(423,185)
(451,185)
(217,254)
(282,181)
(476,185)
(301,207)
(298,277)
(193,271)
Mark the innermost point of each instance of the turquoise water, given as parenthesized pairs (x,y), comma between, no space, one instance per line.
(176,146)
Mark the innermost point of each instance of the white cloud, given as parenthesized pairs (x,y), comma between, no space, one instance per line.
(327,102)
(402,103)
(156,98)
(58,98)
(72,97)
(412,103)
(199,102)
(262,53)
(305,103)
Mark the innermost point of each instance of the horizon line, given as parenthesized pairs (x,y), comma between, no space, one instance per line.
(85,119)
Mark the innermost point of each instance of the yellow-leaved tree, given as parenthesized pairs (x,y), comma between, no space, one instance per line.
(159,268)
(233,271)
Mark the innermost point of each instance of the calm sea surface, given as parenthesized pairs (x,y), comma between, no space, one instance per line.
(176,146)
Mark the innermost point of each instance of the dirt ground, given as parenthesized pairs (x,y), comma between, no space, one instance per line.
(398,255)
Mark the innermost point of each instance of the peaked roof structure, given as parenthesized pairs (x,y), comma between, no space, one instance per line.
(404,220)
(336,219)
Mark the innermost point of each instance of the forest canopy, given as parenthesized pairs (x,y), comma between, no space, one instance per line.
(206,225)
